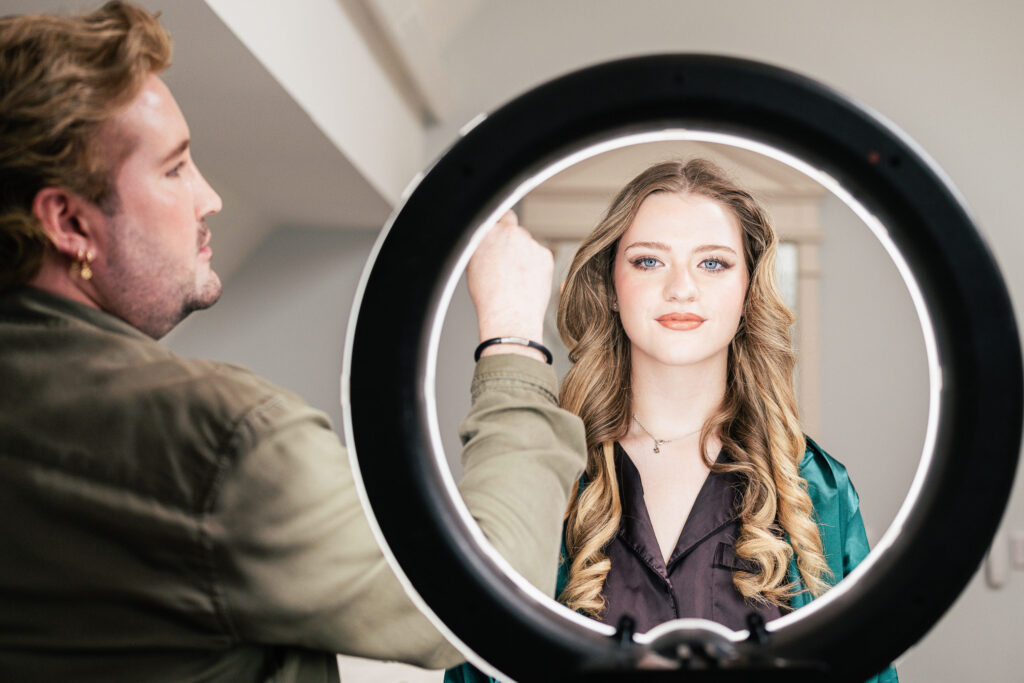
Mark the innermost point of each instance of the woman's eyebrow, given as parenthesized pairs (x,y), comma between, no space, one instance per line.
(647,245)
(664,247)
(713,247)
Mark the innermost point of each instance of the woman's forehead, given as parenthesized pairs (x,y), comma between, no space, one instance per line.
(682,221)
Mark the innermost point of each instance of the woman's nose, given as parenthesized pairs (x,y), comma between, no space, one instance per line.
(681,286)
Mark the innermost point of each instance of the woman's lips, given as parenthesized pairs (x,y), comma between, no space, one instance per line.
(680,321)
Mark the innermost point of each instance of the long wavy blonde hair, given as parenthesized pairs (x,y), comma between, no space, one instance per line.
(756,422)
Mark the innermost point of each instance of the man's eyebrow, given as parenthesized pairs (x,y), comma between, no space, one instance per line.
(647,245)
(177,150)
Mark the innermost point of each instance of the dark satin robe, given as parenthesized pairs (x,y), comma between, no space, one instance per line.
(697,579)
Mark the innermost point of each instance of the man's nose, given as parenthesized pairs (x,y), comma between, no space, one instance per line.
(208,202)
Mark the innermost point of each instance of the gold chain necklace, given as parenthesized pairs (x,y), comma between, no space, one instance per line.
(660,442)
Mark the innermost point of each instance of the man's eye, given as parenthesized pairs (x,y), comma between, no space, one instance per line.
(176,171)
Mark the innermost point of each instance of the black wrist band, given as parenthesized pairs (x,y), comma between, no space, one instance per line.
(514,340)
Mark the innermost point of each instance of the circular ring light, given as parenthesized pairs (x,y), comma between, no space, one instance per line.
(973,442)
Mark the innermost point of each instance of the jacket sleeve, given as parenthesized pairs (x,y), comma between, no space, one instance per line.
(514,446)
(293,559)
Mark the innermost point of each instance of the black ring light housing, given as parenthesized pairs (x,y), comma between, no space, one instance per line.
(900,592)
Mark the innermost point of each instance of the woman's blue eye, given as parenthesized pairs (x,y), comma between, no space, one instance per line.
(647,262)
(713,264)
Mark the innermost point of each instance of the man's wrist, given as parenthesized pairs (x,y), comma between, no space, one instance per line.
(516,348)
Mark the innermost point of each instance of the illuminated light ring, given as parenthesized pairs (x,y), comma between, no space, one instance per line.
(974,431)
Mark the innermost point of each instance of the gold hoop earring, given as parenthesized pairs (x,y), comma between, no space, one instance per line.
(80,266)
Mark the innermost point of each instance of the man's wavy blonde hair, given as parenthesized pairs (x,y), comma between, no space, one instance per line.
(756,422)
(61,79)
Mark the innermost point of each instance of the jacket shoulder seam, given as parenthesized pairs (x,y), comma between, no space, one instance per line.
(226,458)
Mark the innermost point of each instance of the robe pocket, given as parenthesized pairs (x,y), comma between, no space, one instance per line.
(726,558)
(727,605)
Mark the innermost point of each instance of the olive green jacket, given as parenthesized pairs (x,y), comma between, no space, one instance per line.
(169,519)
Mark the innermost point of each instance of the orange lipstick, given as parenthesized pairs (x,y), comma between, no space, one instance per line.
(680,322)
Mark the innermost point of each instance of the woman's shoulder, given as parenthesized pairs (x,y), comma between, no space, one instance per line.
(828,482)
(820,466)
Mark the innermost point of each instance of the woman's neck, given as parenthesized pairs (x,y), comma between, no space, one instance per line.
(671,405)
(675,401)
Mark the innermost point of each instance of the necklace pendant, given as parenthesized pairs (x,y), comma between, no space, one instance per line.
(656,444)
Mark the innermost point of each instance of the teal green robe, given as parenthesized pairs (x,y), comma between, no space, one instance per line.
(843,538)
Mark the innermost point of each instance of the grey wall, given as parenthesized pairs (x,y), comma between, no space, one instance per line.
(874,375)
(455,371)
(285,312)
(284,315)
(948,73)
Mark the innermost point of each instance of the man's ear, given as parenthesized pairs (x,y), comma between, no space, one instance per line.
(66,218)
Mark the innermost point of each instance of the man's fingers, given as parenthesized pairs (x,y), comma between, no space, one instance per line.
(509,218)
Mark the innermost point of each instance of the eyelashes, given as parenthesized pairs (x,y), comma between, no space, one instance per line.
(645,262)
(712,264)
(715,265)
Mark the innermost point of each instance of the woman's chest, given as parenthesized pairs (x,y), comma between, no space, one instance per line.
(696,582)
(692,575)
(669,494)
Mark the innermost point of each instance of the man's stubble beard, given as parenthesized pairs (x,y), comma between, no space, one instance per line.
(201,300)
(142,283)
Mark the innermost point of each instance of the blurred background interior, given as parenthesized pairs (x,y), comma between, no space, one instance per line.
(311,118)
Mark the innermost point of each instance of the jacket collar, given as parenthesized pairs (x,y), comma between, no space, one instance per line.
(39,306)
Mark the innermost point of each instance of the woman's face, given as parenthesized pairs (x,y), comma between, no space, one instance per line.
(681,280)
